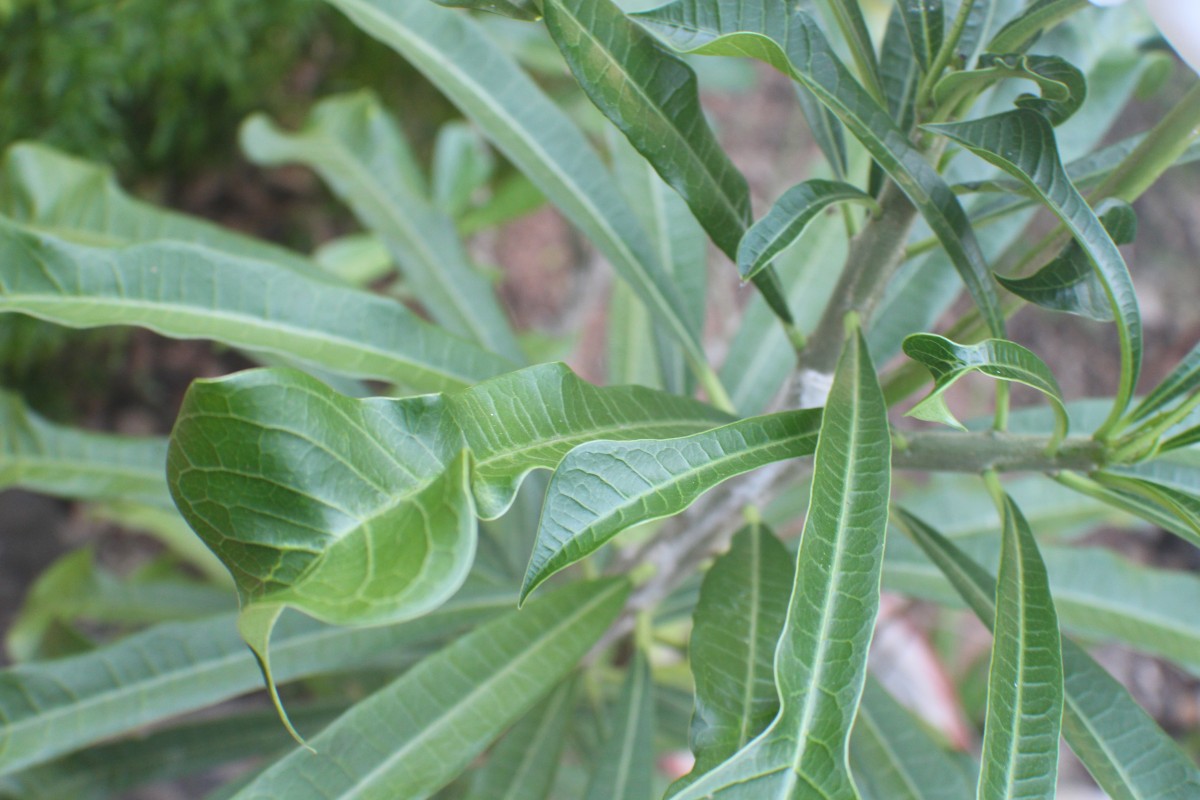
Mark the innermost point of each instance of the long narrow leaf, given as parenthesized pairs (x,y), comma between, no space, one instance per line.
(1120,744)
(820,663)
(418,733)
(625,765)
(602,488)
(360,152)
(791,41)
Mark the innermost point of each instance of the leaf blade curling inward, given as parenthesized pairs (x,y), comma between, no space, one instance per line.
(1022,143)
(820,663)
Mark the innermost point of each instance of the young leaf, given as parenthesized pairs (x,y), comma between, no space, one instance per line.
(1182,507)
(789,218)
(1025,682)
(998,358)
(1069,283)
(52,708)
(1100,719)
(192,291)
(653,98)
(1140,499)
(1062,84)
(540,140)
(1020,32)
(738,620)
(602,488)
(462,165)
(39,456)
(356,148)
(625,765)
(1183,380)
(925,21)
(792,42)
(901,77)
(1022,144)
(418,733)
(894,758)
(522,766)
(820,663)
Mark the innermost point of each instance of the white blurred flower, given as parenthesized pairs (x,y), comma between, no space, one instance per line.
(1179,21)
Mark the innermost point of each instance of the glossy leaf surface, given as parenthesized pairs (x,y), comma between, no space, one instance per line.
(1120,744)
(787,220)
(820,663)
(360,152)
(1022,144)
(602,488)
(997,358)
(738,619)
(418,733)
(625,764)
(1069,283)
(791,41)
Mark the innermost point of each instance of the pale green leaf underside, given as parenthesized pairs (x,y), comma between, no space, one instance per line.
(40,456)
(52,708)
(194,291)
(1119,743)
(820,663)
(415,735)
(792,42)
(542,142)
(602,488)
(356,148)
(1062,85)
(997,358)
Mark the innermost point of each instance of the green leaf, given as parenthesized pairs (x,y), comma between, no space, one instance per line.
(893,757)
(1119,743)
(1022,144)
(901,74)
(925,21)
(462,165)
(360,259)
(191,291)
(820,663)
(52,708)
(517,9)
(1025,681)
(1183,381)
(523,765)
(539,139)
(418,733)
(1020,32)
(792,42)
(850,19)
(40,456)
(1183,508)
(361,153)
(109,770)
(653,98)
(789,218)
(1069,283)
(602,488)
(73,588)
(997,358)
(79,201)
(625,764)
(738,620)
(1062,84)
(1143,501)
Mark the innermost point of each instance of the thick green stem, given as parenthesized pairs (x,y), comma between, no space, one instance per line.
(945,54)
(980,452)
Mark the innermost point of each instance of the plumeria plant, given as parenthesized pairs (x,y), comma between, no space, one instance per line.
(463,573)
